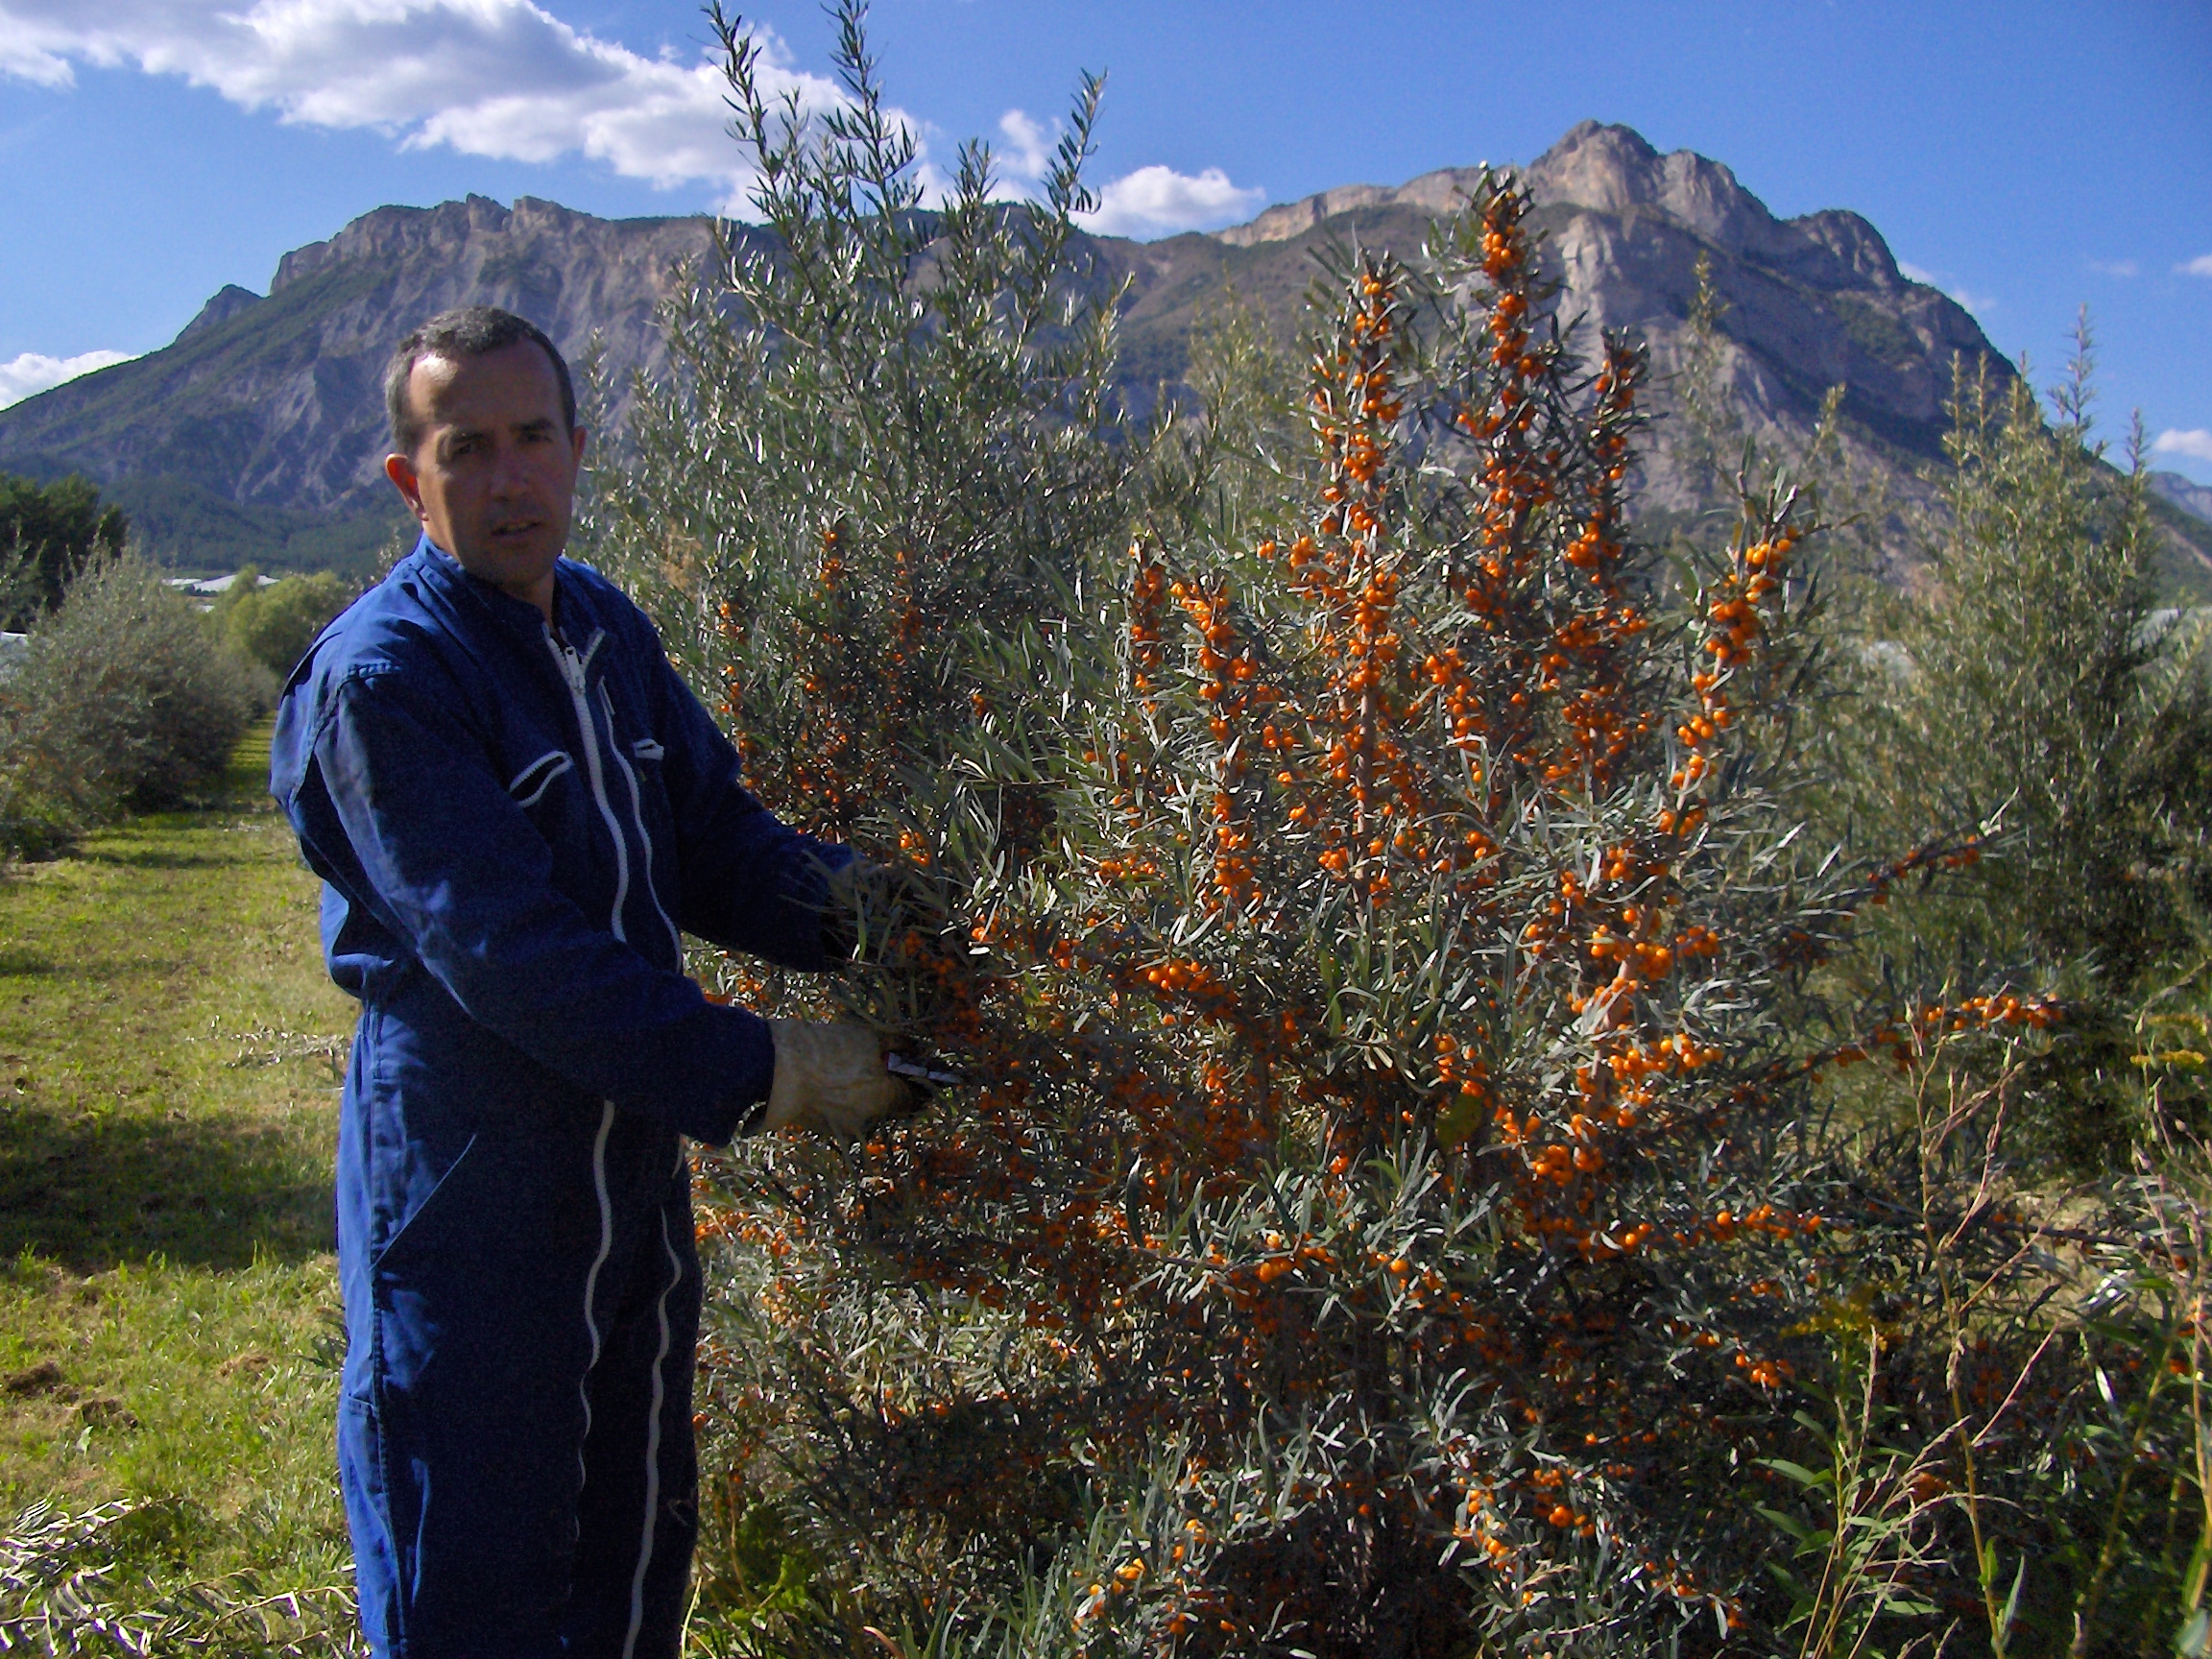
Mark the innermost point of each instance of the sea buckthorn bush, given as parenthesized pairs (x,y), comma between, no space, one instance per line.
(1421,1184)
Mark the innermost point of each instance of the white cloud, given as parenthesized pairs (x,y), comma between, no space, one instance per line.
(2115,267)
(506,79)
(1150,201)
(503,79)
(2196,444)
(1160,202)
(22,57)
(1028,148)
(1981,304)
(2200,266)
(35,372)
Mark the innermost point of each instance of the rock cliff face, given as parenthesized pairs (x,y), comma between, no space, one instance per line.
(268,409)
(1810,302)
(276,402)
(2193,499)
(229,301)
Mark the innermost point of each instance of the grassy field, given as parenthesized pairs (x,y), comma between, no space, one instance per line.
(170,1057)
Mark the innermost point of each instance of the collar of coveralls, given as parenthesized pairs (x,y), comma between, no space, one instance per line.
(574,620)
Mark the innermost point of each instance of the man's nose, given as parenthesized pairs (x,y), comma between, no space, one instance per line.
(509,471)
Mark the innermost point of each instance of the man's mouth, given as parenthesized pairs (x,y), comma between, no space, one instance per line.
(516,527)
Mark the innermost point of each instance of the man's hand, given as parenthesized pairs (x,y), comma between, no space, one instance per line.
(830,1078)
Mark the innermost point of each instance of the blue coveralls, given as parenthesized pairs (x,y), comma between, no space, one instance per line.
(512,825)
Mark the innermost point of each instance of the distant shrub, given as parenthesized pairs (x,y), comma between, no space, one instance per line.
(274,626)
(122,703)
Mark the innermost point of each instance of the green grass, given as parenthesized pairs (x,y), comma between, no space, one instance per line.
(170,1054)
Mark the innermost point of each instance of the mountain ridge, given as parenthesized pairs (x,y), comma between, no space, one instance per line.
(1607,168)
(261,423)
(2184,494)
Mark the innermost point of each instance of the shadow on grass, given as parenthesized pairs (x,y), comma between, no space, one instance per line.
(93,1191)
(153,858)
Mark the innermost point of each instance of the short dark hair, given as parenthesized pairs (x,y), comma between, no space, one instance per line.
(457,335)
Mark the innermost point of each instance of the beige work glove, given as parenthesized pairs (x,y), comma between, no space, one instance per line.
(829,1077)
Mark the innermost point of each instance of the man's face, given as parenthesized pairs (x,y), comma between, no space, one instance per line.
(493,477)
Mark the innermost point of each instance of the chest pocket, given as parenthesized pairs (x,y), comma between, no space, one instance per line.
(529,785)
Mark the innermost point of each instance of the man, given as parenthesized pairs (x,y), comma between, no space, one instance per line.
(515,807)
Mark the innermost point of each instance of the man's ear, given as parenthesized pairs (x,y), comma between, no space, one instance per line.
(579,438)
(400,470)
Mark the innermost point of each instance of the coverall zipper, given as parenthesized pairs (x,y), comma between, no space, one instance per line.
(573,671)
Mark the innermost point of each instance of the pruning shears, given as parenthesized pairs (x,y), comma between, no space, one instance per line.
(926,1079)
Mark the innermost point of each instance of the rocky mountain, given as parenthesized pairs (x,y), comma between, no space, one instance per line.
(259,431)
(2193,499)
(1807,304)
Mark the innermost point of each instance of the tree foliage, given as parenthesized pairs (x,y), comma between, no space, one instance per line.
(272,626)
(2036,689)
(2046,674)
(928,459)
(1432,1175)
(122,703)
(49,532)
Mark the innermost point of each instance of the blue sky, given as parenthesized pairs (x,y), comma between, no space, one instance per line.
(2028,157)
